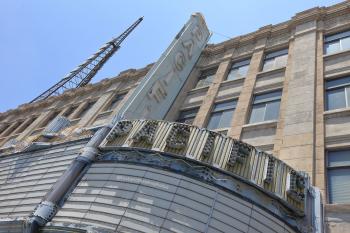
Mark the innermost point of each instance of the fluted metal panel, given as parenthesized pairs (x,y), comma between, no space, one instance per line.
(25,178)
(115,197)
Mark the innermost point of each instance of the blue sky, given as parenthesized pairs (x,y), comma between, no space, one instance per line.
(41,40)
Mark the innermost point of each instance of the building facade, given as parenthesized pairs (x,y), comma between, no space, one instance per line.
(276,99)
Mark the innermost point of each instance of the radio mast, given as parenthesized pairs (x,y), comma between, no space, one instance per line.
(82,75)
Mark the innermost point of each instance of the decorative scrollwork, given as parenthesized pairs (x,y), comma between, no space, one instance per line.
(239,152)
(120,129)
(296,186)
(147,132)
(269,172)
(209,144)
(178,136)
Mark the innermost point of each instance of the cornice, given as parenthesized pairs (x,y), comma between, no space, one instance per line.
(268,31)
(69,94)
(338,9)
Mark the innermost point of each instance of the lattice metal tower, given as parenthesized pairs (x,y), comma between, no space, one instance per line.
(82,75)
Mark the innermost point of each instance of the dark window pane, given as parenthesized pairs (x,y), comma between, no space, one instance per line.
(4,128)
(187,116)
(276,54)
(17,124)
(28,123)
(226,118)
(338,82)
(188,120)
(188,113)
(267,97)
(257,114)
(241,63)
(337,36)
(214,120)
(336,99)
(272,110)
(225,105)
(86,109)
(339,185)
(70,111)
(115,101)
(339,158)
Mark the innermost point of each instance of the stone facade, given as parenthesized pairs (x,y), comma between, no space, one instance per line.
(301,135)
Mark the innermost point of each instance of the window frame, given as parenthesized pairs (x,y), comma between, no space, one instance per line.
(110,103)
(327,168)
(335,37)
(344,86)
(24,127)
(70,111)
(225,109)
(179,118)
(47,121)
(87,107)
(204,74)
(253,103)
(272,55)
(5,128)
(236,65)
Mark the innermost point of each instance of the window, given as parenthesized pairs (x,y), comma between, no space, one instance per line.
(338,174)
(26,125)
(187,116)
(338,93)
(14,126)
(49,119)
(115,101)
(4,128)
(86,109)
(221,115)
(70,111)
(206,78)
(238,70)
(337,42)
(275,60)
(266,107)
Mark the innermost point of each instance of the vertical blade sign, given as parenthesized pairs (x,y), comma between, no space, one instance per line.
(159,88)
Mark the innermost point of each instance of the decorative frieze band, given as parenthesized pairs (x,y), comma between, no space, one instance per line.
(214,149)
